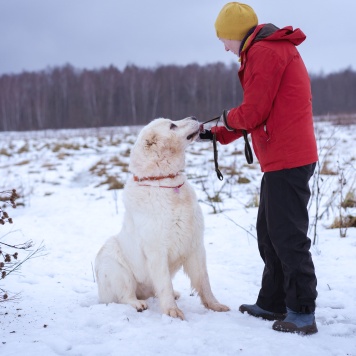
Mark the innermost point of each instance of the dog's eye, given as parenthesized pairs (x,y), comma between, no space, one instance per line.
(173,126)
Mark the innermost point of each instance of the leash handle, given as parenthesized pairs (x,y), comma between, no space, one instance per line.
(248,151)
(217,170)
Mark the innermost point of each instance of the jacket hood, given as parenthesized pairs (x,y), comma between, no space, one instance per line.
(270,32)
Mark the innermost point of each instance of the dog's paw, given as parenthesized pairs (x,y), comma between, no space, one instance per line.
(175,313)
(140,305)
(218,307)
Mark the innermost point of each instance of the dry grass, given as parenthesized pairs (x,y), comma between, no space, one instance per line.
(216,198)
(115,161)
(243,180)
(24,149)
(344,222)
(102,169)
(254,202)
(230,170)
(99,168)
(112,182)
(5,152)
(67,146)
(62,155)
(237,153)
(50,166)
(349,201)
(326,170)
(22,163)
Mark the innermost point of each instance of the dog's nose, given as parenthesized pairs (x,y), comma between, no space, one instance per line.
(194,118)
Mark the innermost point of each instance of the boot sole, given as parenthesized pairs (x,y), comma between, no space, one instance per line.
(292,328)
(270,317)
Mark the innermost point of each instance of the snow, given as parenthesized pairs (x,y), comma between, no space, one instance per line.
(69,211)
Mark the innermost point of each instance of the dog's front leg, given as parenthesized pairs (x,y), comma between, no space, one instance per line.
(195,268)
(162,283)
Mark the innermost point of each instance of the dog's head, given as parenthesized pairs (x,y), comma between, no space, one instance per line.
(160,146)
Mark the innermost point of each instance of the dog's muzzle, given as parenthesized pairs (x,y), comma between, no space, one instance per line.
(192,135)
(195,133)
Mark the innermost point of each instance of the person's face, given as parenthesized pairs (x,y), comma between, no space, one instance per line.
(231,45)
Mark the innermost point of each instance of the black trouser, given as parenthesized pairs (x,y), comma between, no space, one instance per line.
(282,225)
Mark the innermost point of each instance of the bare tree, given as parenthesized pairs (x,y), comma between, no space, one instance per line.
(66,97)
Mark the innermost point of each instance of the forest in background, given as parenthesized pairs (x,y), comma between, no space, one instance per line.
(67,97)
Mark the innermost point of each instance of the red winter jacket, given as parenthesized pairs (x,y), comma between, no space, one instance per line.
(277,106)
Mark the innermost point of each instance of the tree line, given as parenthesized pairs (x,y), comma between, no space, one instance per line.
(66,97)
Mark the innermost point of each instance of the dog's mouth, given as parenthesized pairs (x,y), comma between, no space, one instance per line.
(192,135)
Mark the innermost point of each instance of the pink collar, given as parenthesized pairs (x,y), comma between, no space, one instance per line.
(170,176)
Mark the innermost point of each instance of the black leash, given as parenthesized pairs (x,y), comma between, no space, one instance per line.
(248,151)
(217,170)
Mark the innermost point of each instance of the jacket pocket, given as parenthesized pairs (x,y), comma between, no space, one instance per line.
(268,136)
(260,136)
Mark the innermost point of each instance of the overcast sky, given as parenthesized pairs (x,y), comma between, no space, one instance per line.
(36,34)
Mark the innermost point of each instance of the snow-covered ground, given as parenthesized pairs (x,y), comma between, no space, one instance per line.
(68,208)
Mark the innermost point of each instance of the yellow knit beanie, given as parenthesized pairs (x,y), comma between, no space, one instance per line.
(234,21)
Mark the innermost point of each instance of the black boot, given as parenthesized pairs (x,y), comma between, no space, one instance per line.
(256,311)
(300,323)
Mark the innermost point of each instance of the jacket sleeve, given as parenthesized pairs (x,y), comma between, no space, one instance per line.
(262,76)
(224,136)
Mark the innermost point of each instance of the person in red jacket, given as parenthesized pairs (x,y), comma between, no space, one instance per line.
(277,111)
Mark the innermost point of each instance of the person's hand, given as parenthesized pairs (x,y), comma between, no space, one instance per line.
(205,136)
(223,119)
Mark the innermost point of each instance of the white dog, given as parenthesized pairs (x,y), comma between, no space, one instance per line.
(162,226)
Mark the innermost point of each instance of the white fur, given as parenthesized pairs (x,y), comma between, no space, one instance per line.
(162,227)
